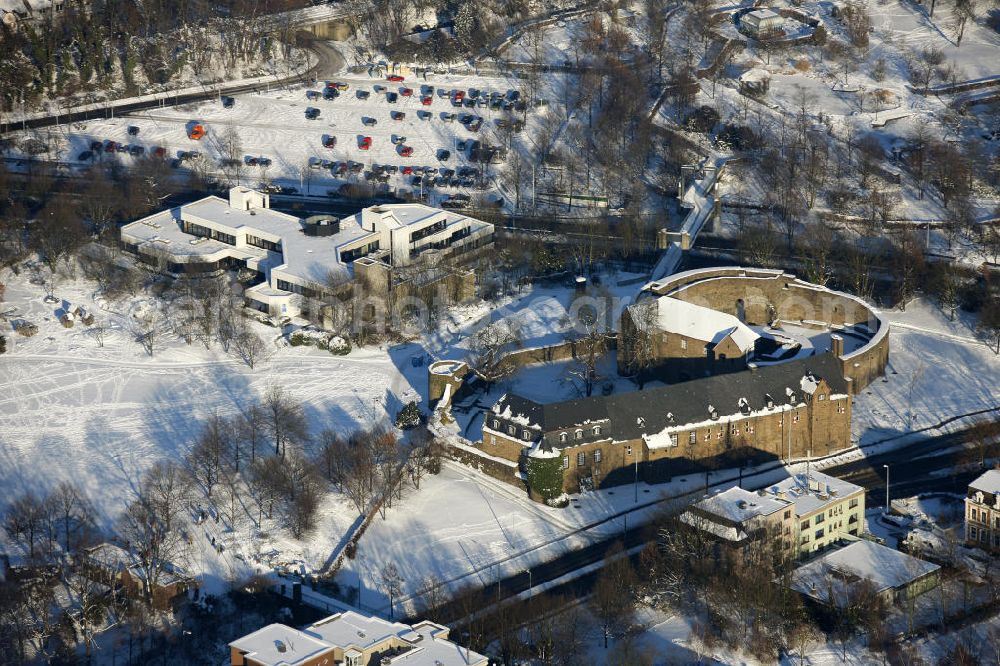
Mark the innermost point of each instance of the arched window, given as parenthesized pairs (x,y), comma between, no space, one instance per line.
(597,430)
(579,434)
(496,424)
(563,437)
(511,430)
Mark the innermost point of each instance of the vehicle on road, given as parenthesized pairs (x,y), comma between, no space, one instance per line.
(228,102)
(405,151)
(330,142)
(363,94)
(196,131)
(444,155)
(133,130)
(398,115)
(312,113)
(426,100)
(406,92)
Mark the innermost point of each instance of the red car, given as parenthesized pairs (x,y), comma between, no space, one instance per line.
(406,151)
(406,92)
(459,94)
(407,170)
(426,101)
(395,78)
(366,143)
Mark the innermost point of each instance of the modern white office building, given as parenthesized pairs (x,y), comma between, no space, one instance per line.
(296,257)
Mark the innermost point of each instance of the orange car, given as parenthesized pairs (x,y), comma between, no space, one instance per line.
(196,132)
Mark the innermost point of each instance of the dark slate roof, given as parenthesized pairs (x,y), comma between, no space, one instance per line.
(649,411)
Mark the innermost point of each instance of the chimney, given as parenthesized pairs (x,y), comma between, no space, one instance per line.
(837,345)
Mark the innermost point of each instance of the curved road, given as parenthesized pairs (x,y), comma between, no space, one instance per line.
(329,61)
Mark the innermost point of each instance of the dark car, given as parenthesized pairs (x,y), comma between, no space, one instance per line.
(228,102)
(398,115)
(133,130)
(444,155)
(96,146)
(424,115)
(496,104)
(136,150)
(392,97)
(312,113)
(448,117)
(264,161)
(110,146)
(513,95)
(284,189)
(330,93)
(121,148)
(251,161)
(313,94)
(469,103)
(363,94)
(85,156)
(447,173)
(368,121)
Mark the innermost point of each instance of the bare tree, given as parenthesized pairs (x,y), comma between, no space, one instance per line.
(249,345)
(285,420)
(613,601)
(25,520)
(391,583)
(489,348)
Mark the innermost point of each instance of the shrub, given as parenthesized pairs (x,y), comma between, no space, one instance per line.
(298,340)
(339,346)
(26,329)
(408,417)
(545,476)
(3,344)
(702,119)
(802,65)
(737,137)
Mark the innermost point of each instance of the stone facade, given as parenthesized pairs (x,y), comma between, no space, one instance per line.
(982,512)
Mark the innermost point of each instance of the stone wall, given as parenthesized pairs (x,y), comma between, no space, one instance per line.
(759,296)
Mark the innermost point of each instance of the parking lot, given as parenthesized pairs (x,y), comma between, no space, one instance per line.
(402,137)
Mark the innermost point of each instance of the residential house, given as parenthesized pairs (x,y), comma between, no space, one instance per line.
(738,519)
(352,639)
(982,511)
(113,565)
(827,509)
(838,577)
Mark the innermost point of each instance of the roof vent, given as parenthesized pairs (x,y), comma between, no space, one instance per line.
(742,504)
(361,634)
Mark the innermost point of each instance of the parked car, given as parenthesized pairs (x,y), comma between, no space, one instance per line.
(395,78)
(448,117)
(426,100)
(368,121)
(379,89)
(251,161)
(341,86)
(426,89)
(228,102)
(313,95)
(363,94)
(406,92)
(473,93)
(121,148)
(391,168)
(407,170)
(159,151)
(458,94)
(469,103)
(330,142)
(196,131)
(264,161)
(398,139)
(133,130)
(398,115)
(312,113)
(330,94)
(285,189)
(391,97)
(315,163)
(405,151)
(85,156)
(444,155)
(424,115)
(365,143)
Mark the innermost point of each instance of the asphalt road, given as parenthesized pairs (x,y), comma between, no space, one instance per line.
(329,61)
(920,467)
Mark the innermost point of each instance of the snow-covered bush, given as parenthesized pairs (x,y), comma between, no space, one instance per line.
(408,417)
(25,328)
(339,346)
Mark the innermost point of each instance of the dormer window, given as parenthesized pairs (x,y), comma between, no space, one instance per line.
(496,424)
(526,435)
(511,430)
(579,434)
(597,430)
(563,437)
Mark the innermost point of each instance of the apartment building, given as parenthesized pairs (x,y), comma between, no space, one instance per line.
(827,509)
(294,259)
(982,511)
(352,639)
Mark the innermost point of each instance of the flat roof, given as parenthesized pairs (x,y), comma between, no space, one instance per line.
(739,505)
(839,570)
(280,645)
(813,492)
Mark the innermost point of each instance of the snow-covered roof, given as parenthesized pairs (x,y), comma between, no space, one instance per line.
(701,323)
(425,643)
(280,645)
(840,570)
(987,482)
(755,75)
(761,14)
(813,492)
(738,505)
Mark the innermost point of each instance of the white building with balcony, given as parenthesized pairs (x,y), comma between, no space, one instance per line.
(294,257)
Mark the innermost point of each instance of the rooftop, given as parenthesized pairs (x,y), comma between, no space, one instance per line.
(738,505)
(279,645)
(701,323)
(814,491)
(837,572)
(764,13)
(987,482)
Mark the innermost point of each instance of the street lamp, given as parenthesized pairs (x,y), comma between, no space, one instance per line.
(886,489)
(528,571)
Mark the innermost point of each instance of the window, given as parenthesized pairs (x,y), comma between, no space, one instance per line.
(853,503)
(511,430)
(565,462)
(749,428)
(734,429)
(628,450)
(973,533)
(493,440)
(820,518)
(563,437)
(819,534)
(526,435)
(822,396)
(805,525)
(684,343)
(983,535)
(788,514)
(597,456)
(692,437)
(673,439)
(581,459)
(974,514)
(263,244)
(996,522)
(496,424)
(579,434)
(597,430)
(795,418)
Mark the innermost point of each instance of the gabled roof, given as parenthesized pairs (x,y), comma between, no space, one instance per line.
(650,411)
(695,321)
